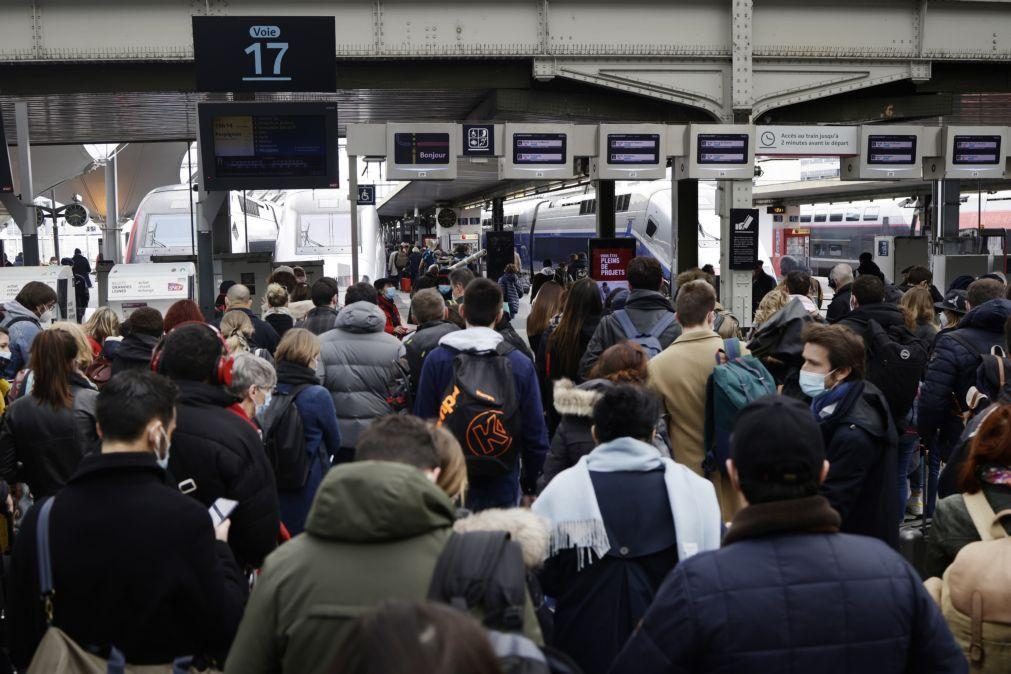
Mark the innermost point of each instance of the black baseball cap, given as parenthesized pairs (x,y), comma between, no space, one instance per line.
(777,439)
(954,300)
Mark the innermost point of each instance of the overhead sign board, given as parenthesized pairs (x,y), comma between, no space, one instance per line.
(422,151)
(6,179)
(887,152)
(718,152)
(248,146)
(366,195)
(537,151)
(630,152)
(807,141)
(975,151)
(265,53)
(478,140)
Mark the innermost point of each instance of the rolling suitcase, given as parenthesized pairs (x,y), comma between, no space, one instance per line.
(913,535)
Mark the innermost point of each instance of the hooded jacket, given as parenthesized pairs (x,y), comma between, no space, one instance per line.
(952,369)
(436,376)
(215,454)
(359,363)
(49,443)
(861,448)
(788,593)
(23,325)
(134,353)
(644,307)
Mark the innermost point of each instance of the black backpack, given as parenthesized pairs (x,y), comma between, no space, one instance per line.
(480,408)
(284,440)
(896,361)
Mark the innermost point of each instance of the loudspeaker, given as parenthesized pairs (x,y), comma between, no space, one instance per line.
(501,247)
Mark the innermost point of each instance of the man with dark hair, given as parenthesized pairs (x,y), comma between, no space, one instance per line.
(858,432)
(869,267)
(645,307)
(481,344)
(360,364)
(823,600)
(124,544)
(23,317)
(952,370)
(679,376)
(323,316)
(920,277)
(761,285)
(239,298)
(141,332)
(430,312)
(459,279)
(217,454)
(401,438)
(798,287)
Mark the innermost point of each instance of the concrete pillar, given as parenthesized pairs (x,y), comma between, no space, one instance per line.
(605,209)
(28,224)
(112,239)
(353,197)
(735,286)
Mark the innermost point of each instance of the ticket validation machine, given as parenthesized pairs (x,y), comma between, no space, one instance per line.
(155,284)
(60,279)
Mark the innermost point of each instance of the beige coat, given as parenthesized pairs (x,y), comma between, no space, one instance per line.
(679,376)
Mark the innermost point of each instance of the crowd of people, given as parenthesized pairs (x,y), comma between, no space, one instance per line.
(314,481)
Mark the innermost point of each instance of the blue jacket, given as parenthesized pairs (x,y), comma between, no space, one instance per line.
(952,369)
(437,373)
(511,292)
(22,333)
(787,594)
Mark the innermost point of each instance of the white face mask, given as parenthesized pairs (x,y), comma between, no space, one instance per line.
(5,354)
(944,320)
(161,454)
(46,317)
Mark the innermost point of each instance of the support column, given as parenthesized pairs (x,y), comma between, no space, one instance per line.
(605,209)
(735,286)
(29,226)
(56,229)
(686,231)
(497,214)
(948,208)
(112,242)
(208,206)
(353,205)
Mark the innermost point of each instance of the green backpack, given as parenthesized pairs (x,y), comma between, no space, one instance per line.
(736,381)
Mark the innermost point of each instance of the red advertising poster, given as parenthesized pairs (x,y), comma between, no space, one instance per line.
(609,260)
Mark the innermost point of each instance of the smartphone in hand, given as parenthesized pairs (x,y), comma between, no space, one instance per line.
(221,510)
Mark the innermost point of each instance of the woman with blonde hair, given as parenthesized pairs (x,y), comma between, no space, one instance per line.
(237,330)
(452,477)
(545,307)
(85,354)
(275,309)
(103,324)
(918,305)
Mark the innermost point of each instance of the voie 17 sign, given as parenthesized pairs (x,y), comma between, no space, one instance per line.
(265,53)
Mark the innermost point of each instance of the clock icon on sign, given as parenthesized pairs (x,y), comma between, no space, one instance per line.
(768,139)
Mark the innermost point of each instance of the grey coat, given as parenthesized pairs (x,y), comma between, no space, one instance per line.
(359,365)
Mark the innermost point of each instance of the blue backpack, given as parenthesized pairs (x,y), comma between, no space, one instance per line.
(736,381)
(649,341)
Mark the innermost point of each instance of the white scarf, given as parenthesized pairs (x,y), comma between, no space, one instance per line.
(570,502)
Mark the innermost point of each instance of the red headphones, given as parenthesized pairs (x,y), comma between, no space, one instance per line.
(223,366)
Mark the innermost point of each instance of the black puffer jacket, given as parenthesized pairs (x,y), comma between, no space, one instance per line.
(887,315)
(223,457)
(644,307)
(50,443)
(134,353)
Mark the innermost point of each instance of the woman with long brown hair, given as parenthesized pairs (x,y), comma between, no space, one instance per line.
(49,430)
(544,308)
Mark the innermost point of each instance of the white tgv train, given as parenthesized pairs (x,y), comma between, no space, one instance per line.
(554,226)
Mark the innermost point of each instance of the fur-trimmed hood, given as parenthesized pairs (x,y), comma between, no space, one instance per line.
(578,400)
(531,531)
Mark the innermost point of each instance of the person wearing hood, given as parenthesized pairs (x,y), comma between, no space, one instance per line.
(645,306)
(135,563)
(24,317)
(375,531)
(216,454)
(621,519)
(141,331)
(858,432)
(546,274)
(788,590)
(482,308)
(359,363)
(952,370)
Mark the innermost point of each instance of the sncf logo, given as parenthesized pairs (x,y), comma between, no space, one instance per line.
(487,436)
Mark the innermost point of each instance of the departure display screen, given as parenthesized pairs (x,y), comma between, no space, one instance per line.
(246,146)
(633,149)
(969,150)
(6,180)
(722,148)
(539,148)
(421,148)
(891,150)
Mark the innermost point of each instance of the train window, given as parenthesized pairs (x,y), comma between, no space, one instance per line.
(622,203)
(836,215)
(250,207)
(651,228)
(835,250)
(168,230)
(871,213)
(806,217)
(794,218)
(323,231)
(777,218)
(820,216)
(852,215)
(587,206)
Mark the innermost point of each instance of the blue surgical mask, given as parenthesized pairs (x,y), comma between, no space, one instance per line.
(445,290)
(390,293)
(813,383)
(262,409)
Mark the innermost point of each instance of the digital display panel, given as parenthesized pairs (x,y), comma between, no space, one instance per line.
(633,149)
(421,148)
(722,148)
(891,150)
(971,150)
(6,179)
(256,146)
(539,148)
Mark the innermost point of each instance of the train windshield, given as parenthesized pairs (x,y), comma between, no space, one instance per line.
(323,233)
(165,230)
